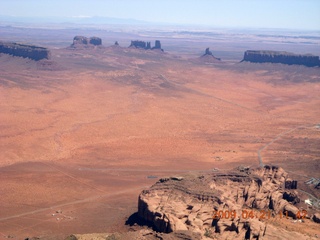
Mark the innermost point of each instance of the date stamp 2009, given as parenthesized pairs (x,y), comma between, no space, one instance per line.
(250,214)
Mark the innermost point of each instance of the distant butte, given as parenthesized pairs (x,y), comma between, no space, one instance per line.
(281,57)
(81,41)
(145,45)
(208,57)
(26,51)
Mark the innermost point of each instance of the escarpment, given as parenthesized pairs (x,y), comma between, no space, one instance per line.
(244,199)
(26,51)
(281,57)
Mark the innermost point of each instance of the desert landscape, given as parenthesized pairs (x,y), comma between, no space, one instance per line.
(85,131)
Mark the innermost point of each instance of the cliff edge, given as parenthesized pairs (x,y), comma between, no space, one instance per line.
(234,205)
(281,57)
(26,51)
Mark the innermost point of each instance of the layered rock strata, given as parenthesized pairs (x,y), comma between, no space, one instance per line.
(25,51)
(189,203)
(281,57)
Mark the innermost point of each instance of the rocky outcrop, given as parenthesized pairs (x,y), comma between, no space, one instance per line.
(95,41)
(81,41)
(145,45)
(208,52)
(281,57)
(139,234)
(208,57)
(139,44)
(190,203)
(157,45)
(25,51)
(291,184)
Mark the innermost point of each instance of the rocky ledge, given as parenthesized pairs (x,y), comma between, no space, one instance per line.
(245,199)
(25,51)
(281,57)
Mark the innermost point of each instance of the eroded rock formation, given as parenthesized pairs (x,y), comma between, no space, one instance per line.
(25,51)
(145,45)
(189,203)
(281,57)
(81,41)
(139,44)
(208,52)
(208,57)
(157,45)
(95,41)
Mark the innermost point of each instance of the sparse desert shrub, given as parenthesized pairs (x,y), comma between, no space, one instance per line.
(111,237)
(71,237)
(208,233)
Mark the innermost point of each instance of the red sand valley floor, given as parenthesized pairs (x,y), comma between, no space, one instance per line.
(78,143)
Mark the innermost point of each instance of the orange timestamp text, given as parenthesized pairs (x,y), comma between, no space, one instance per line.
(259,214)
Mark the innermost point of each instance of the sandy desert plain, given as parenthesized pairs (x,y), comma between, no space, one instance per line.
(82,137)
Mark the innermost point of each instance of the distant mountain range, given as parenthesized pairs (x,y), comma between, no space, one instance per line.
(76,20)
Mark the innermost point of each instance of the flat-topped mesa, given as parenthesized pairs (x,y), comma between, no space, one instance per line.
(81,41)
(281,57)
(145,45)
(26,51)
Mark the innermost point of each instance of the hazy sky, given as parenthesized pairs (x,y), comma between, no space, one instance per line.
(294,14)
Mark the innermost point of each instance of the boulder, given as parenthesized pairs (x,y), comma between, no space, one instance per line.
(316,217)
(257,228)
(292,210)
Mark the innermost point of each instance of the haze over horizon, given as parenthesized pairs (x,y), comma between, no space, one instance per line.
(289,14)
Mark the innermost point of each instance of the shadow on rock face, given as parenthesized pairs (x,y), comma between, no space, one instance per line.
(134,219)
